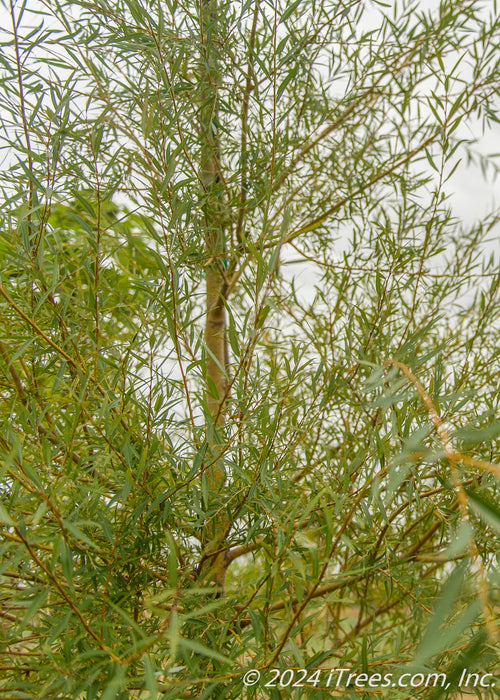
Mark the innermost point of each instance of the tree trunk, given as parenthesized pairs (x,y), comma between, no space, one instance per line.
(215,328)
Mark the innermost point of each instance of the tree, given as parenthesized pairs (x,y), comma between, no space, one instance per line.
(204,469)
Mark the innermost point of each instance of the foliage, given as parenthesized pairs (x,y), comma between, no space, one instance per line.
(311,483)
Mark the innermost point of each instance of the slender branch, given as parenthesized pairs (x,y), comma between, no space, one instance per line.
(36,328)
(67,598)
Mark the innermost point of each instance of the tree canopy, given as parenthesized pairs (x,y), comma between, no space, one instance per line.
(208,467)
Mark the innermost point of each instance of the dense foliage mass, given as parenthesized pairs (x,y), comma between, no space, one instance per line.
(206,467)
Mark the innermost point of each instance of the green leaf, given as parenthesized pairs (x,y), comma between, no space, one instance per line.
(440,633)
(171,560)
(151,682)
(486,509)
(286,81)
(5,517)
(289,10)
(470,436)
(197,648)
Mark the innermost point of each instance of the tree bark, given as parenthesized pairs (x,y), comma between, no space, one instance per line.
(215,328)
